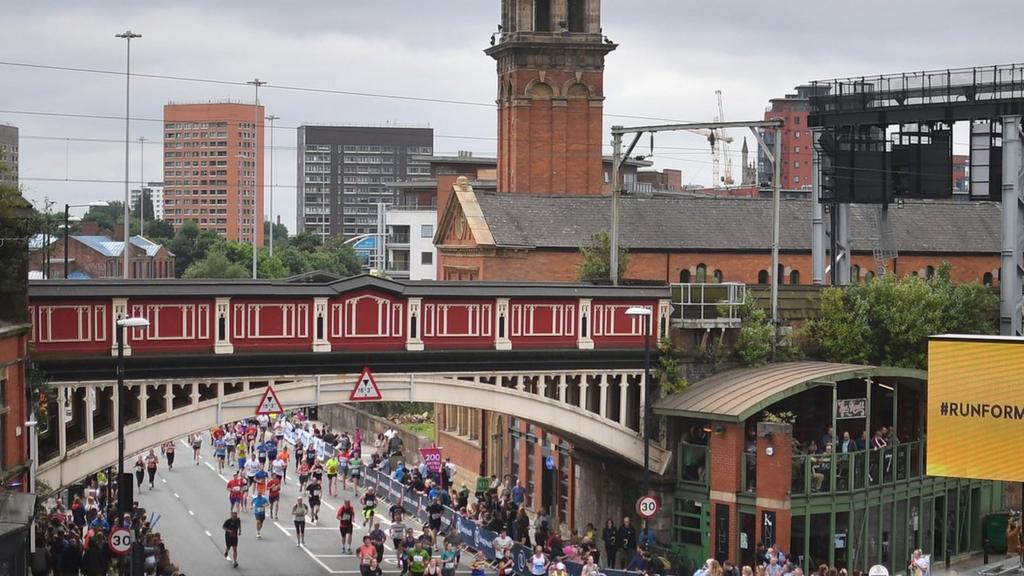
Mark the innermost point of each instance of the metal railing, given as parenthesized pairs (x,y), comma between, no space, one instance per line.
(706,305)
(692,464)
(852,471)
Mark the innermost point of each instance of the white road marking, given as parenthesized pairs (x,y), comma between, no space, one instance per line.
(208,533)
(210,466)
(191,513)
(328,504)
(317,560)
(164,480)
(176,495)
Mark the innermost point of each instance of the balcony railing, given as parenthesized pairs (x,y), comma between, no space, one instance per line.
(853,471)
(703,305)
(693,464)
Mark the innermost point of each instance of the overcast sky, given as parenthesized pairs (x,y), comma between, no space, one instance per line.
(673,55)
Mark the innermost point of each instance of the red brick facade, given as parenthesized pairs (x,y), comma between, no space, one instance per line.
(84,259)
(13,413)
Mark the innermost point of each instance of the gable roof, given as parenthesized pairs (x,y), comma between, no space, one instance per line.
(466,200)
(107,246)
(727,223)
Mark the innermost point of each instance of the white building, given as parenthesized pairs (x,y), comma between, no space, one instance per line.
(156,194)
(410,243)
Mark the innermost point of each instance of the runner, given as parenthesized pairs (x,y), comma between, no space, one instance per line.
(259,511)
(236,491)
(260,478)
(151,462)
(355,469)
(397,530)
(479,565)
(433,569)
(538,562)
(230,440)
(314,491)
(274,495)
(507,565)
(378,537)
(261,454)
(449,560)
(366,553)
(434,513)
(316,472)
(251,467)
(283,456)
(299,511)
(369,502)
(299,454)
(418,559)
(196,440)
(373,569)
(345,516)
(168,450)
(331,467)
(242,451)
(232,530)
(303,476)
(343,469)
(220,449)
(277,468)
(140,472)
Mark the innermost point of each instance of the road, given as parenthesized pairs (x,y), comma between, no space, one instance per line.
(192,504)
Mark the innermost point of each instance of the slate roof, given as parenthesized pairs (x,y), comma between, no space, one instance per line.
(729,224)
(111,248)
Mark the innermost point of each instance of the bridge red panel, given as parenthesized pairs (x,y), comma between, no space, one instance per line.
(183,325)
(366,320)
(543,323)
(611,327)
(271,324)
(456,323)
(71,326)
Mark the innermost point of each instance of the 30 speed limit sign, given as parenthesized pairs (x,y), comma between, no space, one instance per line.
(120,541)
(647,506)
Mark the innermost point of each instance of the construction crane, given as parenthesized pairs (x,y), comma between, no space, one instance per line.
(720,150)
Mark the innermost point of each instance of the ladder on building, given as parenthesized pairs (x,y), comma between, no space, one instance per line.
(883,241)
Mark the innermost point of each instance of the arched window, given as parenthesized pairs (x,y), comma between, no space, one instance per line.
(869,276)
(794,277)
(684,276)
(718,276)
(929,272)
(702,273)
(856,273)
(762,277)
(542,15)
(781,273)
(987,279)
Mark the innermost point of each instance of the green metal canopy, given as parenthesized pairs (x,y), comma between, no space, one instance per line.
(736,395)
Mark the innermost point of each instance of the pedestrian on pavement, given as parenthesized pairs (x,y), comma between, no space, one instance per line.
(299,511)
(346,515)
(232,530)
(626,541)
(151,462)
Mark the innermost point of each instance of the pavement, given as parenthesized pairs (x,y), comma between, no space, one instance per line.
(192,503)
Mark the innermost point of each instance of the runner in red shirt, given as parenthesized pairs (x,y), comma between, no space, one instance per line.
(274,494)
(346,515)
(236,491)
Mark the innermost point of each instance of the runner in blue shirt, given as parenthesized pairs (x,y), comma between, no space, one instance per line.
(220,448)
(259,510)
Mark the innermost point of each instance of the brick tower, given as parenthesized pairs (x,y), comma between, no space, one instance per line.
(550,56)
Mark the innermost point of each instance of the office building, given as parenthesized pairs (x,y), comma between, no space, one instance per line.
(343,174)
(9,154)
(213,168)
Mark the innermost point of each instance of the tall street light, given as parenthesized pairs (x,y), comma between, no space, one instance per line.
(142,186)
(128,35)
(133,322)
(645,314)
(271,118)
(67,226)
(256,82)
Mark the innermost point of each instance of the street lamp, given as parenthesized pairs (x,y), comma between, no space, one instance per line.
(123,323)
(646,314)
(67,228)
(128,35)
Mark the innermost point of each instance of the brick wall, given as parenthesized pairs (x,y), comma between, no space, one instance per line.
(726,453)
(13,352)
(774,479)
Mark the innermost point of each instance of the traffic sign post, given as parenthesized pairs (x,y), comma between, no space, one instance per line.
(647,506)
(366,389)
(269,404)
(120,541)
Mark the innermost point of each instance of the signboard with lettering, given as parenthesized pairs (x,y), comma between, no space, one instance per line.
(432,458)
(851,408)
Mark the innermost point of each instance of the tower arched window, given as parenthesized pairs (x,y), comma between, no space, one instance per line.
(702,273)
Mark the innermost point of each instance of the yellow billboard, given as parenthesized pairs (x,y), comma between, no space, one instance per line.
(976,407)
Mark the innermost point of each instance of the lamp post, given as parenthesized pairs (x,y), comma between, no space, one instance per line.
(142,186)
(128,35)
(256,82)
(123,323)
(646,315)
(271,118)
(67,226)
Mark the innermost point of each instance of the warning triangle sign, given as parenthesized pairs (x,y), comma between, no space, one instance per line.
(366,388)
(269,404)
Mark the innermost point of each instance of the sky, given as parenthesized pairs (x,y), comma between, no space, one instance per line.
(672,57)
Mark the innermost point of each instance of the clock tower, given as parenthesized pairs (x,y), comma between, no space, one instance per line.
(550,56)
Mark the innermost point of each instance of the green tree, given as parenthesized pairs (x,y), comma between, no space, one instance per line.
(755,345)
(667,369)
(888,321)
(280,233)
(189,245)
(18,222)
(306,241)
(107,218)
(216,264)
(159,229)
(595,263)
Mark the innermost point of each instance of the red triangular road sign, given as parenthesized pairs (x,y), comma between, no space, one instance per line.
(269,404)
(366,388)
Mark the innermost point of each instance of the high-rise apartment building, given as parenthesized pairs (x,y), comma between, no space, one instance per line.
(796,140)
(9,154)
(344,171)
(213,168)
(155,192)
